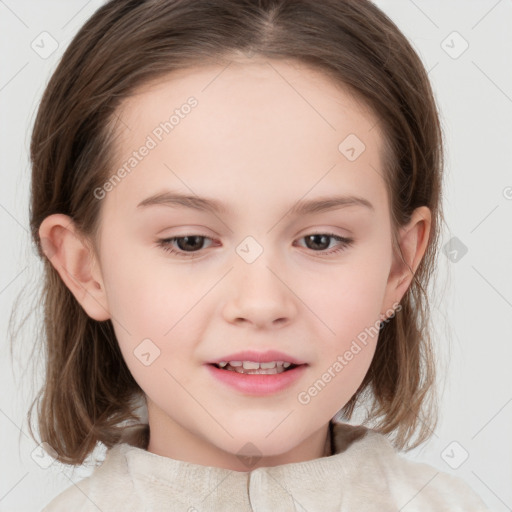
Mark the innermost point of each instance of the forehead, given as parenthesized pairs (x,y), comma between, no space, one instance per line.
(290,89)
(255,125)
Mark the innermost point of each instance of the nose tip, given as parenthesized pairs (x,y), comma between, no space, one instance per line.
(259,296)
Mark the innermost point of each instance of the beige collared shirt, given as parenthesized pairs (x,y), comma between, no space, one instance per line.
(365,474)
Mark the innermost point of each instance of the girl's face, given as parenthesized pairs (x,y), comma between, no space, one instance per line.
(262,140)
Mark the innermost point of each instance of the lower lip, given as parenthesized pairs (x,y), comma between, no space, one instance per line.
(258,384)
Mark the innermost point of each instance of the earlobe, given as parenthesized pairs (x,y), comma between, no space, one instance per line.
(74,259)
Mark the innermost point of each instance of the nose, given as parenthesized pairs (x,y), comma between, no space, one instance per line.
(259,294)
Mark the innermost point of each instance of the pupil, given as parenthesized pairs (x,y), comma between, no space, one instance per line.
(315,238)
(181,245)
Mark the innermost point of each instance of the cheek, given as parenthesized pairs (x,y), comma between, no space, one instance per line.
(346,301)
(154,315)
(348,320)
(143,296)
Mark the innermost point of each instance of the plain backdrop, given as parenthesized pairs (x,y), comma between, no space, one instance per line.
(466,45)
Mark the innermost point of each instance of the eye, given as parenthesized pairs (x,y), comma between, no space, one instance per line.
(321,239)
(189,245)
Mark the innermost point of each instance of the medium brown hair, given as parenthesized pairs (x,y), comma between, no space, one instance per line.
(88,393)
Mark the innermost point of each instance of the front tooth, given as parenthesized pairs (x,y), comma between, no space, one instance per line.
(267,366)
(249,365)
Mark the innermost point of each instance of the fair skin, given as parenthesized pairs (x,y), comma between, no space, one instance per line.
(259,147)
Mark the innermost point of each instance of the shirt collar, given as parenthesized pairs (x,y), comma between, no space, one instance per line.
(156,477)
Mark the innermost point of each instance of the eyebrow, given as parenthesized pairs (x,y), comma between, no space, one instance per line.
(318,205)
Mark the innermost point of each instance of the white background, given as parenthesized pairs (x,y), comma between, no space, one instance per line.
(473,316)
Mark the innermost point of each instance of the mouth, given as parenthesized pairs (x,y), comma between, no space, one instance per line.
(255,379)
(254,368)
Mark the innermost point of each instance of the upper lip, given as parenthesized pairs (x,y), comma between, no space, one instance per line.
(259,357)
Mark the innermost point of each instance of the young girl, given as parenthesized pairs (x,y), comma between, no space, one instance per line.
(298,144)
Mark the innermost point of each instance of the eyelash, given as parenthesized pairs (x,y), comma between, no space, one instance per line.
(165,244)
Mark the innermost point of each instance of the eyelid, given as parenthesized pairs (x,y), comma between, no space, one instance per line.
(343,243)
(166,245)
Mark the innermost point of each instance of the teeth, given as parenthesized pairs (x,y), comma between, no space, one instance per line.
(261,371)
(249,365)
(270,367)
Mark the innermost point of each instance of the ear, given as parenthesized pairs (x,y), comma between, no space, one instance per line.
(413,240)
(73,257)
